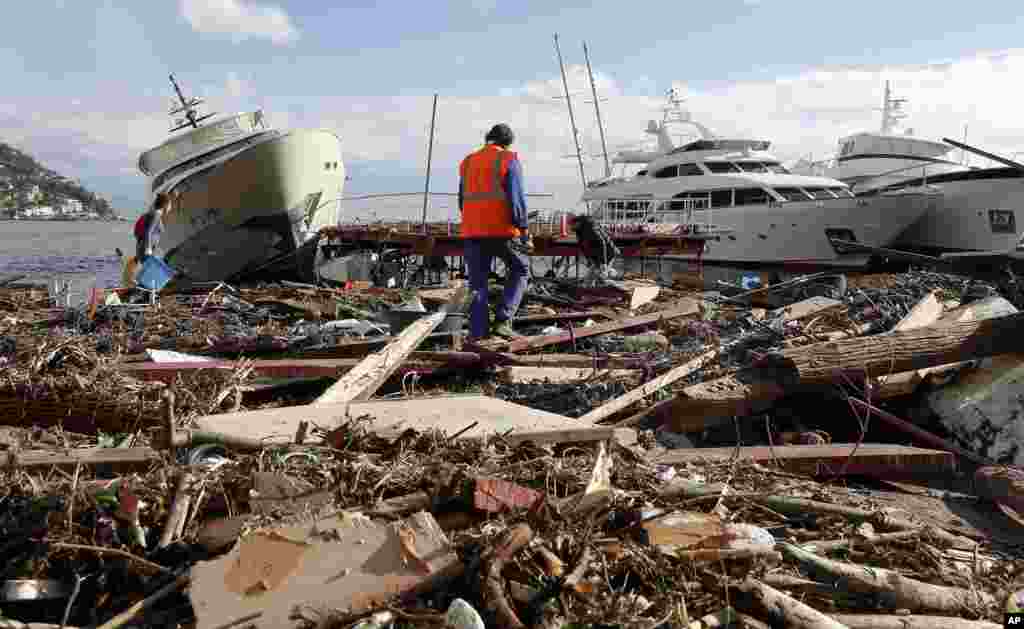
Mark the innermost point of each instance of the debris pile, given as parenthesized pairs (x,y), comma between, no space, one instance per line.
(298,456)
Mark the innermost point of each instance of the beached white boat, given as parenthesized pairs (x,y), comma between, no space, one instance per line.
(242,194)
(980,208)
(775,216)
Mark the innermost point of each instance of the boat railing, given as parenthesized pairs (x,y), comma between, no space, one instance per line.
(895,177)
(691,215)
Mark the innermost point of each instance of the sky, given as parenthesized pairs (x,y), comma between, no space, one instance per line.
(87,89)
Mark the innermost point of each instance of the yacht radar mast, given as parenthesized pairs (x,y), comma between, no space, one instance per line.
(189,107)
(892,114)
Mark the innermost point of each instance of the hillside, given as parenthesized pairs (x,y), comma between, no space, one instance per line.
(28,188)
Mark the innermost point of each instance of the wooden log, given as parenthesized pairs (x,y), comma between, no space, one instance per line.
(894,352)
(823,363)
(117,457)
(622,402)
(581,361)
(560,375)
(879,621)
(762,601)
(286,368)
(363,380)
(535,342)
(892,589)
(924,313)
(880,460)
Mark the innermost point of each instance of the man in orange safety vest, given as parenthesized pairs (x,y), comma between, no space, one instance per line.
(494,225)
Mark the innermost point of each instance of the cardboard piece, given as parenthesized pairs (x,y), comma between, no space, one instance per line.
(334,563)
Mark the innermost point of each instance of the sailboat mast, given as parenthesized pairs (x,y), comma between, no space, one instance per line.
(597,110)
(572,119)
(185,105)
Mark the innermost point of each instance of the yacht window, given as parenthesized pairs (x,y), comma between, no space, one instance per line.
(751,196)
(820,193)
(668,171)
(696,199)
(776,168)
(722,167)
(847,148)
(721,198)
(641,173)
(690,170)
(842,192)
(752,167)
(792,194)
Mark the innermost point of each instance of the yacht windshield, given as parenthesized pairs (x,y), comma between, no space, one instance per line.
(792,194)
(820,193)
(753,167)
(776,168)
(722,167)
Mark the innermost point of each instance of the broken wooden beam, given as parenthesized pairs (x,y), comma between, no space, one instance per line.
(806,308)
(363,380)
(559,375)
(535,342)
(869,459)
(820,364)
(284,368)
(623,402)
(924,313)
(116,457)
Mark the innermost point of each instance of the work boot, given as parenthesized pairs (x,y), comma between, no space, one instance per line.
(504,330)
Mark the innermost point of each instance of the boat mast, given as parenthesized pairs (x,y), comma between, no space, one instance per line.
(430,156)
(572,119)
(188,107)
(597,110)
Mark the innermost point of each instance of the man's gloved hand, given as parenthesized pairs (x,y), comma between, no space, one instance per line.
(523,244)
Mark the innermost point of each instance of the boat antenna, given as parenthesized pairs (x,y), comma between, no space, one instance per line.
(572,119)
(597,110)
(189,107)
(892,111)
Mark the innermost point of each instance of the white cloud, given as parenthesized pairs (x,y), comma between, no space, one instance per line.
(235,86)
(802,114)
(240,20)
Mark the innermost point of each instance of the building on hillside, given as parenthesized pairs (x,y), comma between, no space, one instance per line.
(72,206)
(40,211)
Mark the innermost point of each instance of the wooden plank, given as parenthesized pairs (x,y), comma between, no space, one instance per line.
(869,458)
(283,368)
(622,402)
(582,361)
(807,308)
(559,375)
(535,342)
(450,414)
(924,313)
(363,380)
(117,457)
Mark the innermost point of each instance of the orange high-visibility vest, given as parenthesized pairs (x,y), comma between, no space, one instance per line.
(486,212)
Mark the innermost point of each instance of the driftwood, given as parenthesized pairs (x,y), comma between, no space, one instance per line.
(825,363)
(514,540)
(363,380)
(873,621)
(622,402)
(762,601)
(892,589)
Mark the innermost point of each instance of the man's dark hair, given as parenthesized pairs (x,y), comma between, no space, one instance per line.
(500,134)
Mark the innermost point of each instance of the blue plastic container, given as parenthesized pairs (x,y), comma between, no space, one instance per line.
(154,273)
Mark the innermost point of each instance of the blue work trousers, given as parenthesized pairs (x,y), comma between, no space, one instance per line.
(480,252)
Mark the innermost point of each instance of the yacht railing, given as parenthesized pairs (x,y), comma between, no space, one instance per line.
(691,215)
(893,178)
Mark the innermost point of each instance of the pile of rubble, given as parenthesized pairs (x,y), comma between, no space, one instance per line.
(292,455)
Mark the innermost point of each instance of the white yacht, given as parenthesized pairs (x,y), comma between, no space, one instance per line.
(242,195)
(980,208)
(774,216)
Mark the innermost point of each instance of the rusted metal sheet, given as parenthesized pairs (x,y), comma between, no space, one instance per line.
(870,459)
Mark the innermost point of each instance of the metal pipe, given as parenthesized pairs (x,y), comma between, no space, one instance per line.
(572,118)
(430,157)
(597,110)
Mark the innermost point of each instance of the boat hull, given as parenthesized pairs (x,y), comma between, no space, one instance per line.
(980,214)
(802,232)
(235,215)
